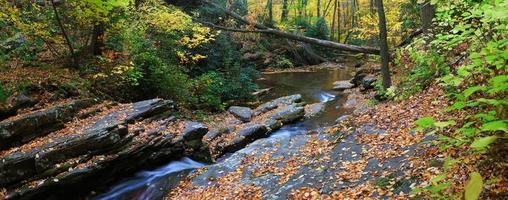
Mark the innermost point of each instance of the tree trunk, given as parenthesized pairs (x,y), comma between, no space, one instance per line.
(97,39)
(426,15)
(318,8)
(270,13)
(332,32)
(284,15)
(64,33)
(385,70)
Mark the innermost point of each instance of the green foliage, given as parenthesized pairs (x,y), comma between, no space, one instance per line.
(474,186)
(282,63)
(318,30)
(210,89)
(3,94)
(478,32)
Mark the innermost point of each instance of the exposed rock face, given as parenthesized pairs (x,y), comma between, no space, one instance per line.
(342,85)
(116,141)
(243,113)
(276,167)
(267,118)
(19,130)
(314,109)
(283,101)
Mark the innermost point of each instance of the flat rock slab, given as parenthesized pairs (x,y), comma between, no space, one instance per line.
(342,85)
(116,148)
(106,134)
(270,117)
(287,100)
(314,109)
(19,130)
(243,113)
(275,167)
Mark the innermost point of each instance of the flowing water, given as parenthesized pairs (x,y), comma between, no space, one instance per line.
(315,87)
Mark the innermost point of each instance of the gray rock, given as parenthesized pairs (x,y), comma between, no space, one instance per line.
(368,82)
(314,109)
(247,135)
(342,118)
(106,134)
(243,113)
(342,85)
(194,130)
(287,100)
(23,129)
(289,114)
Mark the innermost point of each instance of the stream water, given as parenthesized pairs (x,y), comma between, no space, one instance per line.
(315,87)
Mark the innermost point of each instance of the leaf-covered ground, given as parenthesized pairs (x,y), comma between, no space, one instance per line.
(374,154)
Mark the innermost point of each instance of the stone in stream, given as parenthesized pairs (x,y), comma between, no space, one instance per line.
(314,109)
(247,135)
(282,101)
(243,113)
(342,85)
(19,130)
(271,116)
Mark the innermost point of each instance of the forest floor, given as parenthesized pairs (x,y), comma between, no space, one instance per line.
(375,153)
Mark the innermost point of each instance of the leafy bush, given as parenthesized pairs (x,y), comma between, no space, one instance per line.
(160,79)
(318,30)
(478,87)
(209,90)
(3,94)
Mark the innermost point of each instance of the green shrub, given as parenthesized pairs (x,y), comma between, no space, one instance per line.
(3,94)
(160,79)
(209,90)
(318,30)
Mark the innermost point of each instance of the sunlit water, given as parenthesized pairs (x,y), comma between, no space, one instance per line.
(315,87)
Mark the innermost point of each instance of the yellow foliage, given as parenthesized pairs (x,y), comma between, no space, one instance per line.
(368,23)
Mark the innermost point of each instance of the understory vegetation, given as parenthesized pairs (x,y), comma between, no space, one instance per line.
(467,55)
(125,51)
(205,58)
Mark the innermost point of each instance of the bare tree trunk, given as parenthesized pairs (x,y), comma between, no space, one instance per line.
(284,15)
(97,39)
(385,56)
(270,13)
(332,33)
(339,16)
(372,7)
(68,41)
(426,15)
(318,8)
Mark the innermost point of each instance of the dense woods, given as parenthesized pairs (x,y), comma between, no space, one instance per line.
(430,74)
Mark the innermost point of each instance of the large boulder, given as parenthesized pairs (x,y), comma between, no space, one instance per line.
(243,113)
(342,85)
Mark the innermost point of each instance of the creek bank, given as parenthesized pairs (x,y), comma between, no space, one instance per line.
(80,142)
(371,154)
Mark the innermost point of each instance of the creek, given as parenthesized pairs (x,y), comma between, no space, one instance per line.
(315,87)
